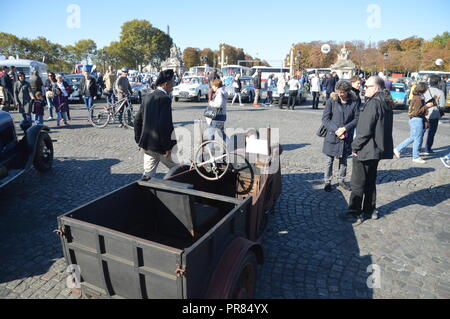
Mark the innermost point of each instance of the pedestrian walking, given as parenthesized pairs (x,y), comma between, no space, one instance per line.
(23,97)
(270,86)
(48,87)
(13,74)
(417,123)
(122,89)
(36,82)
(88,90)
(281,86)
(66,90)
(315,90)
(330,85)
(154,126)
(8,87)
(211,78)
(294,86)
(61,107)
(436,96)
(340,118)
(257,82)
(237,84)
(217,124)
(109,80)
(374,142)
(38,106)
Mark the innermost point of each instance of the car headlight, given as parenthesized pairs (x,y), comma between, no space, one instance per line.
(244,91)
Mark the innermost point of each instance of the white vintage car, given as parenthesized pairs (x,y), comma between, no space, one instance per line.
(191,88)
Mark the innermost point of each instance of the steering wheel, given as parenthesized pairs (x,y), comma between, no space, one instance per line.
(208,165)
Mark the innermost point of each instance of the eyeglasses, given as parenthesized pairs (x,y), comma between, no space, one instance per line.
(369,86)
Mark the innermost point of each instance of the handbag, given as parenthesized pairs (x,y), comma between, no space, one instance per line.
(212,112)
(322,132)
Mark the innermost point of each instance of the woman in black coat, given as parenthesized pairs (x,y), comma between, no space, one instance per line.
(340,118)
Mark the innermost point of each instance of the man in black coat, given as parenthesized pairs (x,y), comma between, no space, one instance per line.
(7,84)
(88,90)
(36,82)
(373,142)
(153,126)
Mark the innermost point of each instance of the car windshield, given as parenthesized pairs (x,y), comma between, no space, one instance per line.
(397,89)
(25,70)
(190,81)
(246,82)
(73,79)
(231,71)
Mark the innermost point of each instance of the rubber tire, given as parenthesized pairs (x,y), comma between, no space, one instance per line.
(176,99)
(250,261)
(38,163)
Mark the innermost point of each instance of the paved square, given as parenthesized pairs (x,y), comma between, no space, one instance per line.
(310,252)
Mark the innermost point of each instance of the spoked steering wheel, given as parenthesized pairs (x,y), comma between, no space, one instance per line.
(212,160)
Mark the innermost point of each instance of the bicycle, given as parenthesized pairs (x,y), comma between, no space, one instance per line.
(111,111)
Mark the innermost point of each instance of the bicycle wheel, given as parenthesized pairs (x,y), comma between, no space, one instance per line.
(100,117)
(129,116)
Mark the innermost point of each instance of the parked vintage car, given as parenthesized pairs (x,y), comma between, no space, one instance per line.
(182,237)
(139,90)
(191,88)
(74,81)
(399,94)
(247,92)
(18,156)
(301,96)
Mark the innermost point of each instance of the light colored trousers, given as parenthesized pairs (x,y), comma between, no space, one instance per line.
(151,162)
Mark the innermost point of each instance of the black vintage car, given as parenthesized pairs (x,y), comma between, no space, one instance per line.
(18,156)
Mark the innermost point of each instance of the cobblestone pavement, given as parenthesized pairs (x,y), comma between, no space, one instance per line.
(310,252)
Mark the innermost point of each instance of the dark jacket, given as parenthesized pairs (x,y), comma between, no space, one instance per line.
(153,126)
(48,85)
(358,95)
(239,88)
(6,82)
(257,82)
(38,106)
(374,139)
(22,91)
(88,91)
(36,83)
(60,103)
(330,84)
(335,116)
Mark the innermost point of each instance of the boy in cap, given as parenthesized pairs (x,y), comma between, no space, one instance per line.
(153,126)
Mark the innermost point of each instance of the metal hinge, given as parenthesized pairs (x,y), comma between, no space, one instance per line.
(60,232)
(180,271)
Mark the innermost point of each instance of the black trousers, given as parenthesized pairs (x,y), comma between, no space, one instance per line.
(363,198)
(292,98)
(280,101)
(316,97)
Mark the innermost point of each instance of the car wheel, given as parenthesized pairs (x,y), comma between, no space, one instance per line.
(199,96)
(43,157)
(176,99)
(250,98)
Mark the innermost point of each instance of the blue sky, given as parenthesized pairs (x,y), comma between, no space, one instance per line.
(263,28)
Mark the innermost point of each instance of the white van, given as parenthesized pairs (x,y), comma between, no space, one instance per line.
(27,66)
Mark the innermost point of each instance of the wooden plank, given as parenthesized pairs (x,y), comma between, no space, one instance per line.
(162,186)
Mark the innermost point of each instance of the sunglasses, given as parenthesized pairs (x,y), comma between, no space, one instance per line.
(369,86)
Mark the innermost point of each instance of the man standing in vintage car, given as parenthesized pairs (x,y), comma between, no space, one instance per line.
(373,142)
(153,126)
